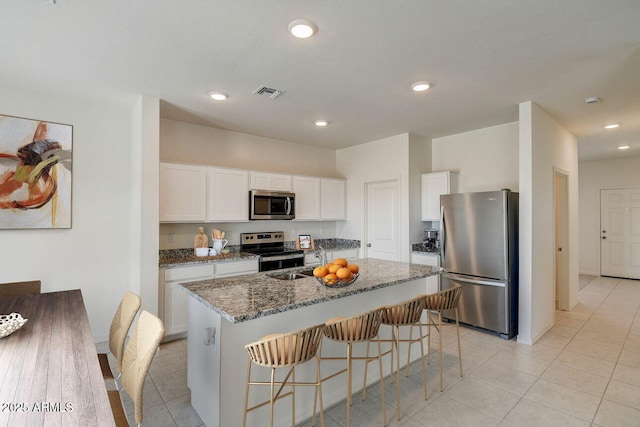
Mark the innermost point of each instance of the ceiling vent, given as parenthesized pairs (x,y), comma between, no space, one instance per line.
(268,91)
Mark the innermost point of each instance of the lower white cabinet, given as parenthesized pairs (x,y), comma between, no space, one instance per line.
(173,304)
(433,282)
(174,309)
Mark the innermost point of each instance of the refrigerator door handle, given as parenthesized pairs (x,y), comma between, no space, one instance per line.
(467,279)
(443,235)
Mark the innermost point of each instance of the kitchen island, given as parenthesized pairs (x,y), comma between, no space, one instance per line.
(225,314)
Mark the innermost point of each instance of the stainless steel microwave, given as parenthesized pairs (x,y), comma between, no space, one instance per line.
(271,205)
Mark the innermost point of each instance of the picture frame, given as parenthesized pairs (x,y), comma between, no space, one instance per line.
(305,242)
(35,173)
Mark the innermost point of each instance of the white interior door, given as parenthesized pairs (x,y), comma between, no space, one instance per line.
(561,219)
(382,220)
(620,233)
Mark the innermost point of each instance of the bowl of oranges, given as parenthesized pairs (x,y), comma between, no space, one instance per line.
(337,273)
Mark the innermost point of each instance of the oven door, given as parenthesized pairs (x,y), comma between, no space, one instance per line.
(279,262)
(271,205)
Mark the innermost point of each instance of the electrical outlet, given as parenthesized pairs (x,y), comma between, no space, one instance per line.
(171,237)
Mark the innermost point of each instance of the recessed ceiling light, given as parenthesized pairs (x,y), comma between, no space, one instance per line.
(301,28)
(321,123)
(623,147)
(218,96)
(612,126)
(420,86)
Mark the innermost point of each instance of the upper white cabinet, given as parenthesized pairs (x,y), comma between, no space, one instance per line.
(307,189)
(332,199)
(228,195)
(182,192)
(433,186)
(270,181)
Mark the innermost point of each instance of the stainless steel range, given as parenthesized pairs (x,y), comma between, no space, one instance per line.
(273,253)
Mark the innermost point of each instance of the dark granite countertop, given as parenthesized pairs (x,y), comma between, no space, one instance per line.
(251,296)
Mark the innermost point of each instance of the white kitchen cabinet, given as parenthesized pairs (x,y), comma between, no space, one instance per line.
(332,199)
(433,186)
(307,189)
(182,192)
(228,194)
(174,303)
(227,269)
(269,181)
(433,282)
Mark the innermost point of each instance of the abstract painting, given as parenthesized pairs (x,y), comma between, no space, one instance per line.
(35,173)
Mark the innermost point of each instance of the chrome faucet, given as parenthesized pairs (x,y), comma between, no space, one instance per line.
(322,254)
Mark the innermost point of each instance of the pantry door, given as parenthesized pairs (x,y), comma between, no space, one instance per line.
(620,233)
(382,222)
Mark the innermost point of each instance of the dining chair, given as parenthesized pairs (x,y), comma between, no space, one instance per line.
(136,361)
(120,325)
(20,288)
(288,350)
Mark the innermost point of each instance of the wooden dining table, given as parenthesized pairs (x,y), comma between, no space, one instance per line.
(49,370)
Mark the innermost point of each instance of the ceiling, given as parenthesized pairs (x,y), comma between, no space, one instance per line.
(483,58)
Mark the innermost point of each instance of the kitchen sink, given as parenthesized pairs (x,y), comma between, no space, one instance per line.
(306,273)
(289,276)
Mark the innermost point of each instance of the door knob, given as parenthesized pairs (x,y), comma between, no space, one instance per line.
(604,237)
(368,245)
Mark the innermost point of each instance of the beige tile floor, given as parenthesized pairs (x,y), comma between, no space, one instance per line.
(584,372)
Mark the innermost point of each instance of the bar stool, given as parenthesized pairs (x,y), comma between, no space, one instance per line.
(435,304)
(349,330)
(407,313)
(285,351)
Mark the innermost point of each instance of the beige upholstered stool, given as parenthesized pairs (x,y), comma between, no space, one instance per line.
(285,351)
(349,330)
(435,304)
(407,313)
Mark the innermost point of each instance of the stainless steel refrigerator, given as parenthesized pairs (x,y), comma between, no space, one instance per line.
(479,250)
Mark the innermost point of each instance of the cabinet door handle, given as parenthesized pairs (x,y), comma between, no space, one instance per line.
(368,245)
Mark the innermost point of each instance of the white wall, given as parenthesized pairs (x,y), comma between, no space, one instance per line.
(596,176)
(486,159)
(381,160)
(94,255)
(188,143)
(544,145)
(419,163)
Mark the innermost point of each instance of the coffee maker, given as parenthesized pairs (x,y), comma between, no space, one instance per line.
(430,240)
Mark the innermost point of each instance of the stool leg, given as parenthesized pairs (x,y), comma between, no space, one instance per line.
(271,400)
(459,350)
(246,395)
(318,391)
(384,404)
(349,384)
(293,397)
(440,346)
(407,370)
(424,375)
(364,381)
(396,337)
(429,337)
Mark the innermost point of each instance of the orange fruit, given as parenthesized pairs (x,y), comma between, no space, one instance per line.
(329,264)
(330,279)
(320,271)
(354,268)
(344,273)
(334,267)
(340,261)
